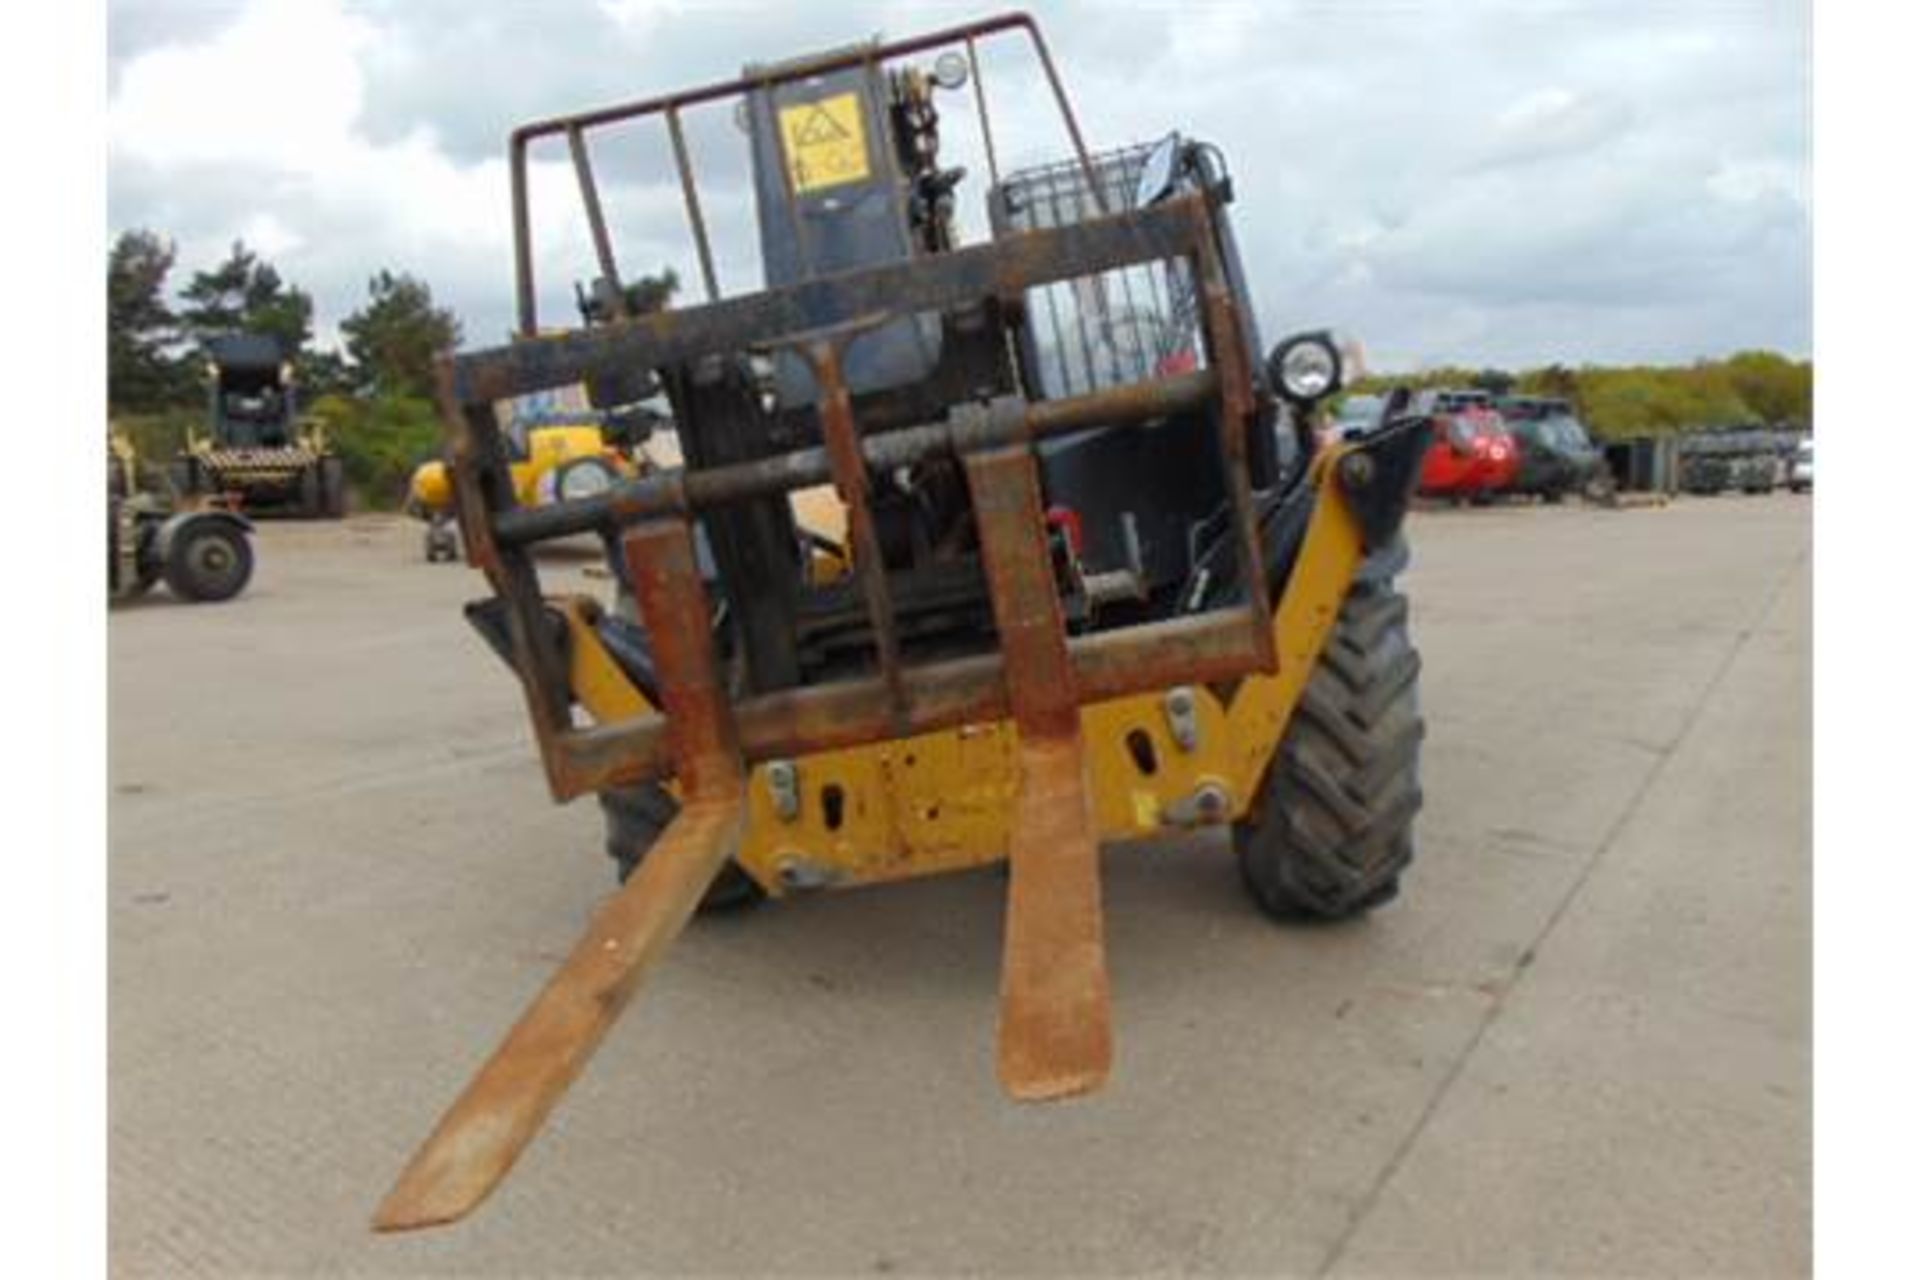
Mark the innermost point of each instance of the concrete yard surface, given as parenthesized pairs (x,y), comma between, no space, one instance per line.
(1579,1042)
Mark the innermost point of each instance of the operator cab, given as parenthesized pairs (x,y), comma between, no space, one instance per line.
(252,391)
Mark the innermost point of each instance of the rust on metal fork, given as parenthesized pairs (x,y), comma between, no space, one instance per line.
(1056,1033)
(1198,649)
(849,469)
(1217,645)
(1228,351)
(507,1102)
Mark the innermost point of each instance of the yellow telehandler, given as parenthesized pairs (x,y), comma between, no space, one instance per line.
(1088,572)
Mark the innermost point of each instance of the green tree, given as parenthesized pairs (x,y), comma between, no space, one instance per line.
(245,294)
(1556,380)
(1496,382)
(394,338)
(326,373)
(142,374)
(1773,387)
(381,439)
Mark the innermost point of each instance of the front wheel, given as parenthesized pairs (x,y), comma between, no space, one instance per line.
(635,817)
(1332,830)
(208,561)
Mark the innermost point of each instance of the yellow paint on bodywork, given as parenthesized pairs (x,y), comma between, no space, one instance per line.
(942,801)
(596,679)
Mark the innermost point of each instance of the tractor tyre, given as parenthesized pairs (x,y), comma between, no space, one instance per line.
(635,817)
(1332,829)
(333,488)
(145,571)
(210,560)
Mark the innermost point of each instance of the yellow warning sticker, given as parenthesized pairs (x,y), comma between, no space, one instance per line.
(826,144)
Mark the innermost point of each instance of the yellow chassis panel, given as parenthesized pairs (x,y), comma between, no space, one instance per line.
(942,801)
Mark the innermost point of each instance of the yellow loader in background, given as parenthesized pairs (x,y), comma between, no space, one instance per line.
(259,453)
(556,454)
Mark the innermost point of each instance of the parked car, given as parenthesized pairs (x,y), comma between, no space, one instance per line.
(1800,470)
(1472,456)
(1744,456)
(1704,466)
(1755,472)
(1557,456)
(1355,416)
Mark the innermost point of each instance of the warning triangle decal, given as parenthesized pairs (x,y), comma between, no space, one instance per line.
(819,127)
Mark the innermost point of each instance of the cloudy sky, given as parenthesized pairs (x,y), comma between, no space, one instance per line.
(1450,181)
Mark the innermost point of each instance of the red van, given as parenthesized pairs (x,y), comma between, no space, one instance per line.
(1472,456)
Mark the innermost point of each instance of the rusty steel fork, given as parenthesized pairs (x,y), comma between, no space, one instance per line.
(1056,1032)
(503,1107)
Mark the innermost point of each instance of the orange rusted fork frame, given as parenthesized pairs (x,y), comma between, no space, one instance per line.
(485,1130)
(1056,1032)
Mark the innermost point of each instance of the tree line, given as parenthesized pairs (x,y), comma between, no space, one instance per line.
(1621,401)
(374,395)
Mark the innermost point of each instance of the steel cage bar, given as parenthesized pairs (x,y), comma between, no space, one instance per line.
(1219,644)
(1215,645)
(574,126)
(996,270)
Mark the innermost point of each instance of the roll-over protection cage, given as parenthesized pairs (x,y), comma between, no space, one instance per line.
(1215,391)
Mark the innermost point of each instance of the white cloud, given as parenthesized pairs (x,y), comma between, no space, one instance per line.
(1745,181)
(260,119)
(278,88)
(1452,181)
(270,236)
(1553,122)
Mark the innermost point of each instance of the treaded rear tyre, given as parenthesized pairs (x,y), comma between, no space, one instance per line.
(1332,830)
(636,816)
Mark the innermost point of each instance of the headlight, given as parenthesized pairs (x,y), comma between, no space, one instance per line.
(1305,368)
(584,479)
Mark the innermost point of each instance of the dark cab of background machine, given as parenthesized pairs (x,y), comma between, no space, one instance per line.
(251,395)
